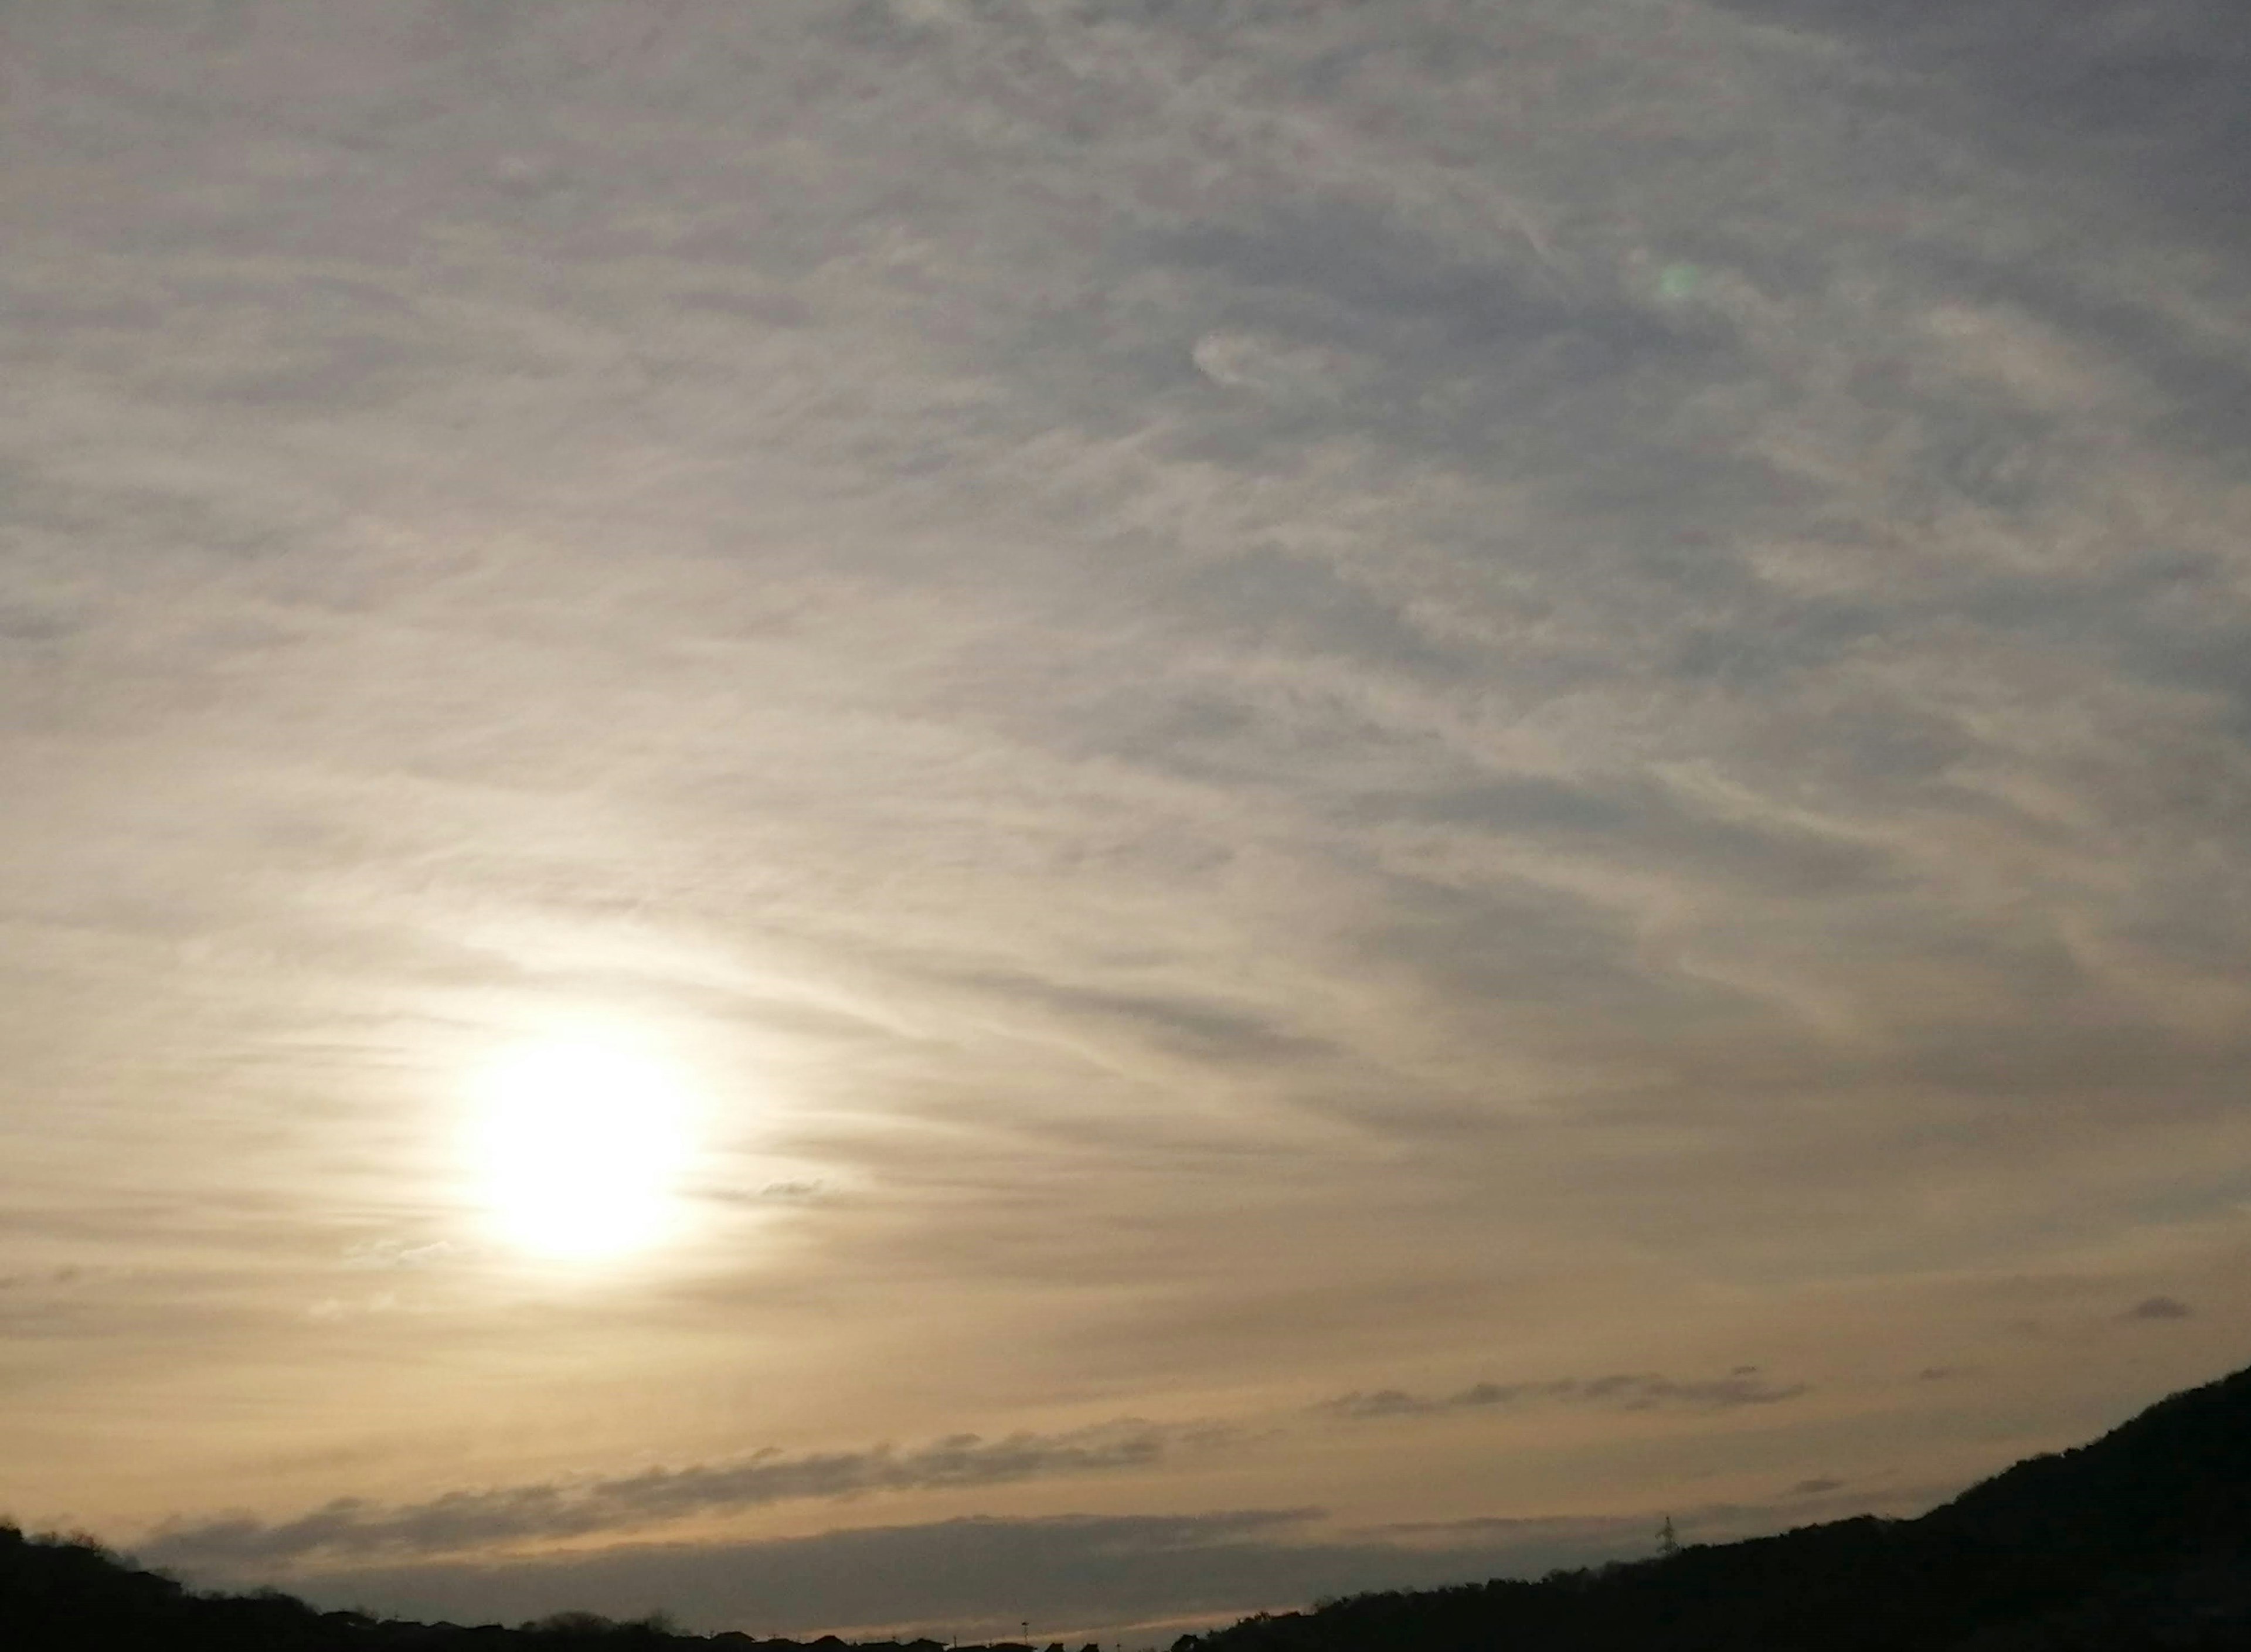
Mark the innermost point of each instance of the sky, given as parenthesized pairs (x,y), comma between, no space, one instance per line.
(1061,816)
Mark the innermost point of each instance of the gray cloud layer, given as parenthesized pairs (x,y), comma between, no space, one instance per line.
(1133,1579)
(1079,1575)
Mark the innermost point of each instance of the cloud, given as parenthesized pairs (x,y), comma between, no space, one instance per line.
(2136,93)
(1071,1575)
(1288,679)
(330,1309)
(802,1189)
(398,1253)
(1248,362)
(470,1520)
(2159,1308)
(1132,1577)
(795,1190)
(1622,1392)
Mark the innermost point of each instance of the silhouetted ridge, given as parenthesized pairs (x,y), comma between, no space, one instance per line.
(2176,1474)
(2137,1542)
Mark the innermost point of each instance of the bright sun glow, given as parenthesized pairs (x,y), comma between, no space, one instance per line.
(578,1148)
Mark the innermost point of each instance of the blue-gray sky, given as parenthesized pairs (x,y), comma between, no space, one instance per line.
(1373,785)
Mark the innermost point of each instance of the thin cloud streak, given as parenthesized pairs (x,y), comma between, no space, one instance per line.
(2159,1308)
(1625,1392)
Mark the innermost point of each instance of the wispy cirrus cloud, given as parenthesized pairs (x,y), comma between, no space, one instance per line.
(1256,686)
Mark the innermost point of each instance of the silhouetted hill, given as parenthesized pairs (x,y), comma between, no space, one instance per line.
(68,1594)
(2179,1473)
(2137,1542)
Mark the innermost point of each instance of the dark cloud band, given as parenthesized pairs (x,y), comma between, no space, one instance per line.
(471,1520)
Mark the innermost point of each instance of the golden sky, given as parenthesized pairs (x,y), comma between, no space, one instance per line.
(930,814)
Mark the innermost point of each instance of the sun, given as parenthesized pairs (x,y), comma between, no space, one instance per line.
(578,1148)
